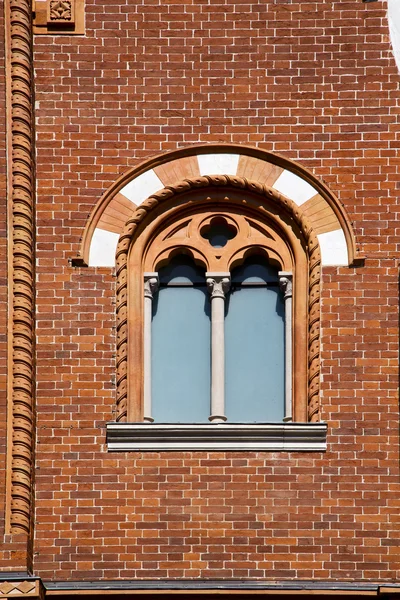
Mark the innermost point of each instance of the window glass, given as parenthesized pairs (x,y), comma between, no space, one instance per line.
(218,232)
(181,345)
(254,344)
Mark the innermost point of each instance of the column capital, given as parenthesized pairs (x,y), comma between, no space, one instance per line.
(218,284)
(286,283)
(151,283)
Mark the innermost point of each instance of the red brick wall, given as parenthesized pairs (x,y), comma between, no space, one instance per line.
(317,83)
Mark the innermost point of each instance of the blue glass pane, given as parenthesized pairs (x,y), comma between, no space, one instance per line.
(219,235)
(218,240)
(181,349)
(254,346)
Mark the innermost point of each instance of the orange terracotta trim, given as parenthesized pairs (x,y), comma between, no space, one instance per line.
(115,215)
(176,226)
(131,230)
(33,589)
(7,33)
(161,159)
(176,170)
(22,311)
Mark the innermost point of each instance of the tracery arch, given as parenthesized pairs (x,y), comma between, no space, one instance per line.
(288,236)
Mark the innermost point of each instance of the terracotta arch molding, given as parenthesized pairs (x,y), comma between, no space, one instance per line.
(144,214)
(325,213)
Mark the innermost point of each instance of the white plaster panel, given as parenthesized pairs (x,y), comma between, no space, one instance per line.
(394,28)
(218,164)
(333,248)
(103,248)
(142,187)
(294,187)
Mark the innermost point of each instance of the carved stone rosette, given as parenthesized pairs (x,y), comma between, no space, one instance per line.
(61,11)
(314,264)
(22,198)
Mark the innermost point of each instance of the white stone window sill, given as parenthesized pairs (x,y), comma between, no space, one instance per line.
(270,437)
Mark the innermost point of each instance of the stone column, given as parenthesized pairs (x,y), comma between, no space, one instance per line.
(150,287)
(286,285)
(218,284)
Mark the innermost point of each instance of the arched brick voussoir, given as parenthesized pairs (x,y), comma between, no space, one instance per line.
(284,204)
(326,215)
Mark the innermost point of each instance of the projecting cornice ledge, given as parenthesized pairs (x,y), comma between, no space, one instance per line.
(15,585)
(269,437)
(215,589)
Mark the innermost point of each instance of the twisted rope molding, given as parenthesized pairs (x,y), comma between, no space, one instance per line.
(314,277)
(22,197)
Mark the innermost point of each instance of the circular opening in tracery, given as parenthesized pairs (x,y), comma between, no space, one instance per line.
(218,232)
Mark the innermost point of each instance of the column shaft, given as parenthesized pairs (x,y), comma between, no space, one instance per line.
(218,285)
(150,287)
(285,282)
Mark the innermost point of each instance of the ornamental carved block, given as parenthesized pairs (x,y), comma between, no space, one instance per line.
(61,11)
(59,17)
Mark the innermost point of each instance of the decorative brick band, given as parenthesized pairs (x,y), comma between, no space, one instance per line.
(22,197)
(29,588)
(314,261)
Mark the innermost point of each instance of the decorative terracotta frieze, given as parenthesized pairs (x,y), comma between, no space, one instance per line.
(30,588)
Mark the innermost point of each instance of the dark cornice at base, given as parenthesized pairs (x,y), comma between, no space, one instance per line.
(24,586)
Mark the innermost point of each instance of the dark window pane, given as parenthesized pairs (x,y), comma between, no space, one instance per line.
(219,232)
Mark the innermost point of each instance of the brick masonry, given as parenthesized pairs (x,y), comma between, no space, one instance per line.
(317,83)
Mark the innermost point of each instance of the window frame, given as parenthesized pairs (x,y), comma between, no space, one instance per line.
(219,287)
(137,254)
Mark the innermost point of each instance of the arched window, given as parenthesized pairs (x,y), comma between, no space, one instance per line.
(216,339)
(181,345)
(181,355)
(255,344)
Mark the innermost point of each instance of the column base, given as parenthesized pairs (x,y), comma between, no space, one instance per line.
(217,419)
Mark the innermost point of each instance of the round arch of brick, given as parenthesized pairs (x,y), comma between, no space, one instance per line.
(323,210)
